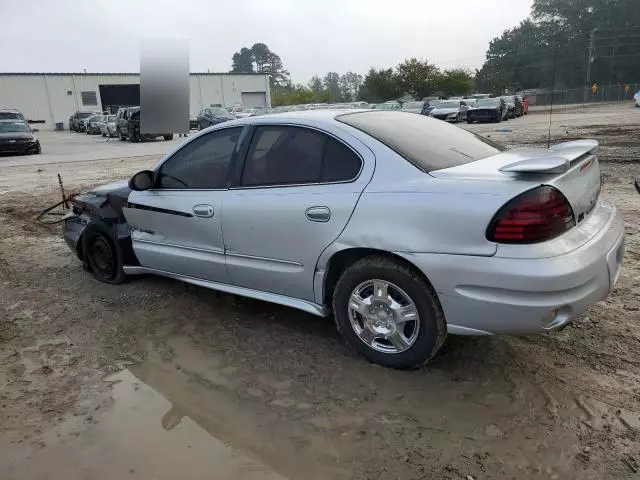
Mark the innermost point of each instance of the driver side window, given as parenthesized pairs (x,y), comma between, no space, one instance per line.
(202,163)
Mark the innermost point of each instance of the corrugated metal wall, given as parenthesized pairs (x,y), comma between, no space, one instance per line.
(54,97)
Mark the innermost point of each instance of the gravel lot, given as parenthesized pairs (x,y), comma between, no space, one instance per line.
(159,379)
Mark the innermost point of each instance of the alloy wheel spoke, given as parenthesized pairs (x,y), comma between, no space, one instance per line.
(407,313)
(368,336)
(359,304)
(380,290)
(398,341)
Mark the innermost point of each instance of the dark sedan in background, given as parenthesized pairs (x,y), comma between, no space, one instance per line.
(16,136)
(212,116)
(488,110)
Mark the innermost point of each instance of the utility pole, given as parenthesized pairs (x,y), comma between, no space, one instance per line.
(589,60)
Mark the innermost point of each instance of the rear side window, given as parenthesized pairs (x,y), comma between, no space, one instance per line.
(284,155)
(427,143)
(202,163)
(340,163)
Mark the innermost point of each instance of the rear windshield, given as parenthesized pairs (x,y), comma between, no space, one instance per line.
(427,143)
(10,115)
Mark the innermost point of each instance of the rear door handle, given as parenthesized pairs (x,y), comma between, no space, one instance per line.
(203,210)
(318,214)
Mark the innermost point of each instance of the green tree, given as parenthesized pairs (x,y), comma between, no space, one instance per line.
(380,85)
(331,83)
(350,84)
(264,61)
(418,78)
(315,84)
(242,61)
(557,38)
(457,81)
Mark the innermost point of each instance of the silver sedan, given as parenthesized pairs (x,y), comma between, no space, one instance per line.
(403,227)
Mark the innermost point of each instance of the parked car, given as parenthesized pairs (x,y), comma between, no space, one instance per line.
(133,129)
(108,126)
(429,106)
(92,124)
(514,106)
(450,110)
(412,107)
(193,121)
(78,118)
(487,110)
(16,136)
(407,230)
(393,105)
(11,114)
(122,121)
(212,116)
(636,99)
(479,96)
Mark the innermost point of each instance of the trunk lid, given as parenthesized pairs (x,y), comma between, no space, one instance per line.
(571,167)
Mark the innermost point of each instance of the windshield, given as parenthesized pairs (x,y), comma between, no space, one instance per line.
(220,112)
(10,115)
(111,118)
(488,102)
(455,104)
(86,114)
(8,127)
(509,99)
(426,143)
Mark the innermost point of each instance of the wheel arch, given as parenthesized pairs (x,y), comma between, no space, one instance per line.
(344,258)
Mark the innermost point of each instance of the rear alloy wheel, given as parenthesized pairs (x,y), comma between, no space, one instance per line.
(103,258)
(388,313)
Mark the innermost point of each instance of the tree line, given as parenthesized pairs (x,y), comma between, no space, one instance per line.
(413,77)
(566,43)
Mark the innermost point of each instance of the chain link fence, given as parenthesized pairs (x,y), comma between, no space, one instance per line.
(576,96)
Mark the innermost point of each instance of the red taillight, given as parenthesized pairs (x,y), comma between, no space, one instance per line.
(534,216)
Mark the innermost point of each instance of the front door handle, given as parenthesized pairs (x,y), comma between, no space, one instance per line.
(318,214)
(203,210)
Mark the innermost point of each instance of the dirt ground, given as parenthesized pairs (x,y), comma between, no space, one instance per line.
(160,379)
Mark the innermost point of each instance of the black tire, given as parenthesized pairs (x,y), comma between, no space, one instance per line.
(433,329)
(133,138)
(102,256)
(168,137)
(469,119)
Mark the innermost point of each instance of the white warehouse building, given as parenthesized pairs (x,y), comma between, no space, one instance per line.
(49,98)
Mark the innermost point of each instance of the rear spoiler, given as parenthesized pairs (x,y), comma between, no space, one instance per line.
(562,155)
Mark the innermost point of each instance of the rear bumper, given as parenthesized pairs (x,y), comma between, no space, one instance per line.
(499,295)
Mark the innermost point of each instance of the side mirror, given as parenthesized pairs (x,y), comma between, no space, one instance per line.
(35,129)
(141,181)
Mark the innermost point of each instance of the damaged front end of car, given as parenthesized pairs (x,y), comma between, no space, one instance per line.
(100,209)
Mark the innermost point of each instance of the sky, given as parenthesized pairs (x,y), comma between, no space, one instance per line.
(311,37)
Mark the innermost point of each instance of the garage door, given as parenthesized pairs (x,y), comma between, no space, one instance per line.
(254,99)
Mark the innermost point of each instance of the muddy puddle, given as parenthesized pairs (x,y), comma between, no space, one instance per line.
(142,434)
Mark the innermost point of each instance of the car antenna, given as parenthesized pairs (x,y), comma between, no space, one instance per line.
(553,89)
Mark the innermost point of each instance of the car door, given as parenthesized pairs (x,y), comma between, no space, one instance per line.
(177,225)
(293,197)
